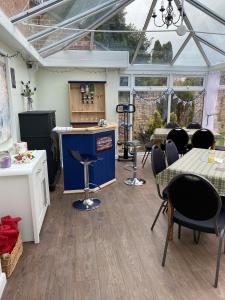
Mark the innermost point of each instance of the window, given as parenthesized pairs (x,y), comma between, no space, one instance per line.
(151,81)
(222,79)
(188,81)
(124,81)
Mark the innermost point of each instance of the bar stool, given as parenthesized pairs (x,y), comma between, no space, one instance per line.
(134,180)
(87,203)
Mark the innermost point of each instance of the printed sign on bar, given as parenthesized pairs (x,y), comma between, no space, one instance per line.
(104,143)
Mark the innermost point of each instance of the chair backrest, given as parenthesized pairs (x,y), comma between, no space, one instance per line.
(202,138)
(172,125)
(194,125)
(171,152)
(194,197)
(157,160)
(180,138)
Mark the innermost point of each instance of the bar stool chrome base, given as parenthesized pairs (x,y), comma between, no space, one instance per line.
(87,204)
(134,181)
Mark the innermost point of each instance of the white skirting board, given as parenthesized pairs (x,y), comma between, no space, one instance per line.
(2,283)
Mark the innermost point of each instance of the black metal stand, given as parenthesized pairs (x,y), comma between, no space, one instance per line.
(125,109)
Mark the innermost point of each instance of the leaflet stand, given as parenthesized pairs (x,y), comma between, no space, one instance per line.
(125,109)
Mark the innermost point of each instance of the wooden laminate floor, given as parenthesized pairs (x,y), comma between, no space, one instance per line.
(111,253)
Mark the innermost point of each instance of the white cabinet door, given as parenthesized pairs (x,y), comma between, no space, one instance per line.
(41,196)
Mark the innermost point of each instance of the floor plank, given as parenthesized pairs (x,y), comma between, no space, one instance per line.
(111,253)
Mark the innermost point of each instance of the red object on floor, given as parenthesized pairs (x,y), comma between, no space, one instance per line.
(8,234)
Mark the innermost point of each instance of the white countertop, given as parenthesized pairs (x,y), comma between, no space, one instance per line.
(24,168)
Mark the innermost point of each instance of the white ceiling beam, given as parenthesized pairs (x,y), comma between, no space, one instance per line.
(148,18)
(70,21)
(66,41)
(37,10)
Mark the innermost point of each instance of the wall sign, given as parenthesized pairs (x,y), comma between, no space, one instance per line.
(104,143)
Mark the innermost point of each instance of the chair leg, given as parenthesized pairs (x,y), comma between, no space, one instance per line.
(218,258)
(144,156)
(143,164)
(165,208)
(158,213)
(166,247)
(196,236)
(179,231)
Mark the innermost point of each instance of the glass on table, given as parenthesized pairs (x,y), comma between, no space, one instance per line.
(211,156)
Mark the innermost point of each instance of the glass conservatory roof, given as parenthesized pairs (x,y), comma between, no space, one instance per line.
(127,25)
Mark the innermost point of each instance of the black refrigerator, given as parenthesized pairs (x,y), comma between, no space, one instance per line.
(36,129)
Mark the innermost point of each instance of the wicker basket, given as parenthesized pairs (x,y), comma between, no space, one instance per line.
(9,262)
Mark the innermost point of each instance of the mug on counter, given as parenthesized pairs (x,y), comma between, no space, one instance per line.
(20,147)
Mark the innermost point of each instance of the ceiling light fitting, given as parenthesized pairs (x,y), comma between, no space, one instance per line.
(168,16)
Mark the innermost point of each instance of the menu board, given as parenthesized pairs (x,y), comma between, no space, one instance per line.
(104,143)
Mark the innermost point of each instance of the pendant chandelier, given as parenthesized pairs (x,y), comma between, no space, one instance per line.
(168,16)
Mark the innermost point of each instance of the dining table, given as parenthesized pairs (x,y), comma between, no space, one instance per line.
(204,162)
(209,164)
(161,133)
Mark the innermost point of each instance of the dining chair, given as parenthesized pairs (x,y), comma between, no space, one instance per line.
(171,152)
(195,204)
(148,149)
(172,125)
(203,138)
(180,138)
(194,125)
(158,164)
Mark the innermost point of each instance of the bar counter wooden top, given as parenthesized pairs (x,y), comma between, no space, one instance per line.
(85,130)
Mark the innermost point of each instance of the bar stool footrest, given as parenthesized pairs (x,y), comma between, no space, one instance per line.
(87,204)
(134,181)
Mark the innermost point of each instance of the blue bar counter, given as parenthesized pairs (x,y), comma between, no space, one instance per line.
(97,141)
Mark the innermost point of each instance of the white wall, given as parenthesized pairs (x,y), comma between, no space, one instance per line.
(53,94)
(17,102)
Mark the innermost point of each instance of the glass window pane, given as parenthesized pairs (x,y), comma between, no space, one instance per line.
(204,23)
(70,9)
(190,56)
(124,80)
(213,56)
(188,107)
(147,103)
(71,30)
(218,6)
(150,81)
(12,8)
(220,118)
(222,79)
(188,81)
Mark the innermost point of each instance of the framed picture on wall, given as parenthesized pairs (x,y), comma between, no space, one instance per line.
(13,78)
(5,118)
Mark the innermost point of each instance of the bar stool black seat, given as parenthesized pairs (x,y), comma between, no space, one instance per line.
(87,203)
